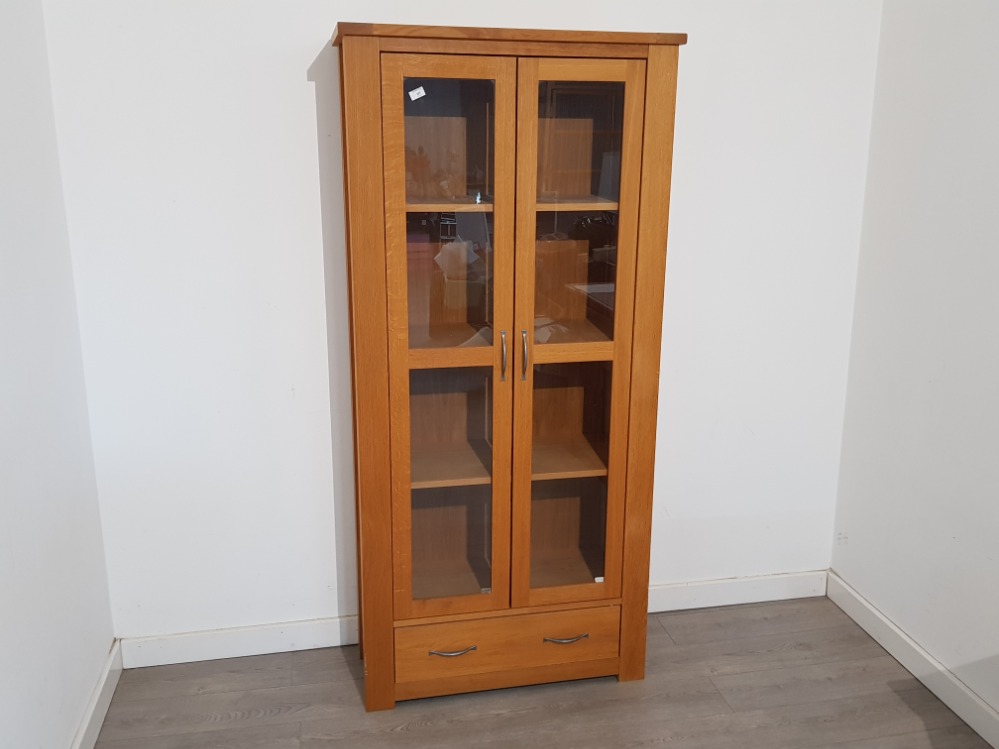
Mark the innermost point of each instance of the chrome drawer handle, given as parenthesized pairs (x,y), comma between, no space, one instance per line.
(453,654)
(568,641)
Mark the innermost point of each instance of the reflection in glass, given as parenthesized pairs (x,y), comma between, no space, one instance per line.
(576,274)
(449,140)
(451,425)
(580,131)
(449,134)
(449,264)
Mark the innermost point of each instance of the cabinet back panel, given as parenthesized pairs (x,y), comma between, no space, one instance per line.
(450,406)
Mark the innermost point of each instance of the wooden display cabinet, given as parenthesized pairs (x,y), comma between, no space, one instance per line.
(506,196)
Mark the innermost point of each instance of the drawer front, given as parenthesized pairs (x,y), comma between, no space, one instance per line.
(505,643)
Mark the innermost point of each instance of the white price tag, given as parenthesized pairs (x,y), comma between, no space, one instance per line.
(417,93)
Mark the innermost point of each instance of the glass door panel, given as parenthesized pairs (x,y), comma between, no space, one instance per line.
(451,438)
(568,528)
(580,130)
(569,457)
(449,274)
(449,134)
(579,141)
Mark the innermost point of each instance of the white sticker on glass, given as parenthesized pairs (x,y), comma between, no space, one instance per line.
(417,93)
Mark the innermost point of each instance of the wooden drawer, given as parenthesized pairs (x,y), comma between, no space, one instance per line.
(506,643)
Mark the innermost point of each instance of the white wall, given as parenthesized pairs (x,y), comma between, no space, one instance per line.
(55,619)
(189,140)
(773,121)
(919,491)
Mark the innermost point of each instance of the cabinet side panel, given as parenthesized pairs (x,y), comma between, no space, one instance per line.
(364,202)
(657,160)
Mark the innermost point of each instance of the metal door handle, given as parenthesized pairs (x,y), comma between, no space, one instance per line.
(523,364)
(567,641)
(503,356)
(454,653)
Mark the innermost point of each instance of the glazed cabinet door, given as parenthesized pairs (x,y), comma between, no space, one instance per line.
(578,178)
(449,135)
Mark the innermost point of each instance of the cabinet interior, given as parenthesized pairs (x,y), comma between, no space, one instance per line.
(451,466)
(570,448)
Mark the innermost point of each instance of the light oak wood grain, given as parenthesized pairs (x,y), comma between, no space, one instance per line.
(650,268)
(364,203)
(344,29)
(426,323)
(513,48)
(520,643)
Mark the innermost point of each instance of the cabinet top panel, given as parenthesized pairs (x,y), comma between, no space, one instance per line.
(502,35)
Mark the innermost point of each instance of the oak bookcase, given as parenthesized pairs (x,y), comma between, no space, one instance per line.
(507,194)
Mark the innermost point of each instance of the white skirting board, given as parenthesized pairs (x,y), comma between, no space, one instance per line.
(323,633)
(100,701)
(734,590)
(238,641)
(954,693)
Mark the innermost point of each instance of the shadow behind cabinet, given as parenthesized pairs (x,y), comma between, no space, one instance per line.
(507,195)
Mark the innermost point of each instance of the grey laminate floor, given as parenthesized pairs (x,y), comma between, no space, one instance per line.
(766,676)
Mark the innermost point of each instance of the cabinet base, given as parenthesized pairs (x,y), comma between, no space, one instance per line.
(503,679)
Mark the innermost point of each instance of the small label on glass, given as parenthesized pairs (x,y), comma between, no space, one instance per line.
(598,579)
(417,93)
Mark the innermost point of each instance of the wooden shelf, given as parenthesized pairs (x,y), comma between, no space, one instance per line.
(448,206)
(449,335)
(562,458)
(582,203)
(601,294)
(450,464)
(445,578)
(562,567)
(578,330)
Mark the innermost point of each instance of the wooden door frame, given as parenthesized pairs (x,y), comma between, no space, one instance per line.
(632,74)
(395,67)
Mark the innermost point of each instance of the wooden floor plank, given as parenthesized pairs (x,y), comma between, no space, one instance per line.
(458,720)
(790,675)
(952,737)
(284,736)
(130,719)
(798,726)
(206,677)
(326,665)
(842,643)
(826,681)
(751,620)
(656,631)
